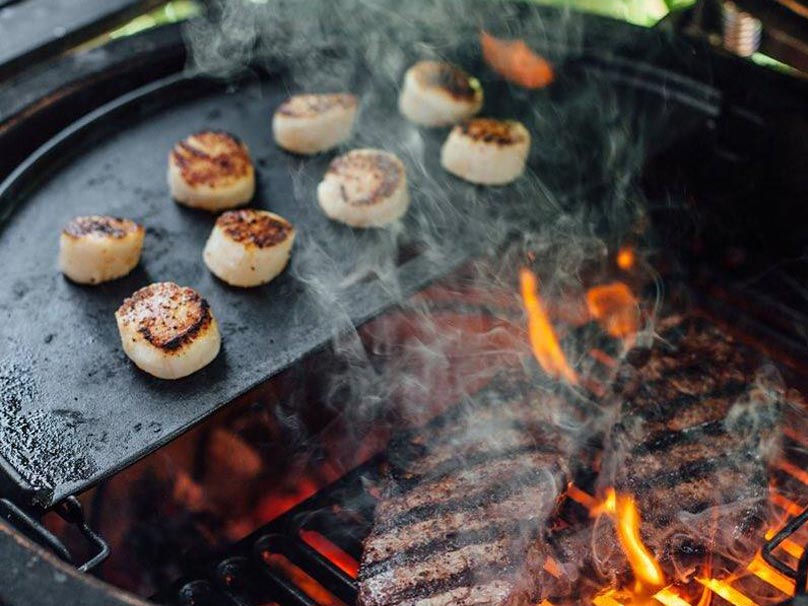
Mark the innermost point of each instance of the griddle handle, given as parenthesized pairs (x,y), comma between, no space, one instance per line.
(71,511)
(33,529)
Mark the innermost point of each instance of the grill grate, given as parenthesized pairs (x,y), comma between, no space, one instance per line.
(309,555)
(279,563)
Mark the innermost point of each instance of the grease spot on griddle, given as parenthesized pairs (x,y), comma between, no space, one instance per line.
(41,446)
(19,289)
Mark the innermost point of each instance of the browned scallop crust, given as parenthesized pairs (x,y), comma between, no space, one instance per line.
(254,228)
(110,227)
(449,78)
(489,130)
(384,170)
(167,315)
(212,158)
(307,106)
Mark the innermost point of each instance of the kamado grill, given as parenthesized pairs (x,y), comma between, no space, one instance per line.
(653,252)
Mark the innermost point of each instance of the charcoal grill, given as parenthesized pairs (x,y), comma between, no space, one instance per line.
(720,114)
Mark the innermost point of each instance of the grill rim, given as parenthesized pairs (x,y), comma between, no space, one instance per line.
(24,584)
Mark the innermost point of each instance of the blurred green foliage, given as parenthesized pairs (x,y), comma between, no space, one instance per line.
(639,12)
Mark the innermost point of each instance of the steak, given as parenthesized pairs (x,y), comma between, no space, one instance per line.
(697,425)
(463,507)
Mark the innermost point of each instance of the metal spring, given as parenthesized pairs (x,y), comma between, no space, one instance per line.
(741,30)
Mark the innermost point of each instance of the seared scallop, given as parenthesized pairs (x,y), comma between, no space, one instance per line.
(249,247)
(96,249)
(486,151)
(364,188)
(211,170)
(168,330)
(310,124)
(435,93)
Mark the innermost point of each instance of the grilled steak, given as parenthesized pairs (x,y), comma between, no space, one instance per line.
(462,509)
(696,428)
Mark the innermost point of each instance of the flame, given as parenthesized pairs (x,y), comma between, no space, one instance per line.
(543,339)
(513,60)
(625,258)
(650,588)
(615,307)
(623,510)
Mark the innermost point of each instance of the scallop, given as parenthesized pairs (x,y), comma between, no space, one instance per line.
(487,151)
(435,93)
(97,249)
(365,188)
(310,124)
(249,247)
(168,330)
(211,170)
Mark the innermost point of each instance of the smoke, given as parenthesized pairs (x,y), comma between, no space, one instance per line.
(563,218)
(576,200)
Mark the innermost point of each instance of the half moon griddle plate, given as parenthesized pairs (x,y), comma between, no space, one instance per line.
(74,409)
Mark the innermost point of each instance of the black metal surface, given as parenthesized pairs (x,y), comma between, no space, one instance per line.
(32,575)
(103,412)
(85,409)
(38,103)
(342,513)
(33,29)
(70,510)
(801,572)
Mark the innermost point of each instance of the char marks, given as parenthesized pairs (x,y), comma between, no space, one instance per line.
(489,130)
(166,315)
(253,228)
(449,78)
(384,171)
(306,106)
(683,444)
(109,227)
(463,507)
(211,158)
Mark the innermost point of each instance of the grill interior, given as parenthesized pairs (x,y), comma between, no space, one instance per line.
(310,554)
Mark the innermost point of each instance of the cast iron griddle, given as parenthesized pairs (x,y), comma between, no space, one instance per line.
(73,408)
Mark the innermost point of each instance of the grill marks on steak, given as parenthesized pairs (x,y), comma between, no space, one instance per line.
(462,510)
(694,436)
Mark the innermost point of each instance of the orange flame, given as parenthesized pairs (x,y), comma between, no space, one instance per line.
(623,509)
(543,339)
(513,60)
(615,307)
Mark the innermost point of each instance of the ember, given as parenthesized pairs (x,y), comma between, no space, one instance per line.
(302,580)
(326,548)
(626,258)
(615,307)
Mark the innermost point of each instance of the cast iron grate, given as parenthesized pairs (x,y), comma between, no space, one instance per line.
(798,574)
(275,565)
